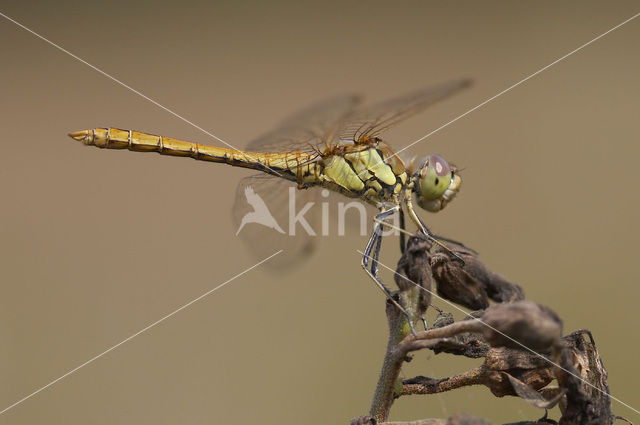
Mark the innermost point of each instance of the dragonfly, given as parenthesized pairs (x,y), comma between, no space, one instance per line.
(335,145)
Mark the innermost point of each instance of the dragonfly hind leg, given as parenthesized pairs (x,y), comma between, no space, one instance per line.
(374,244)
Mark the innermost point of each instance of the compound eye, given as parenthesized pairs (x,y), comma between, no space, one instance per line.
(440,166)
(435,178)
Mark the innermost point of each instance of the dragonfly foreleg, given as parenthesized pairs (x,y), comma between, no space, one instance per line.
(426,232)
(455,242)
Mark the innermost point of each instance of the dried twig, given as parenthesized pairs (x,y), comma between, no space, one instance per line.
(521,343)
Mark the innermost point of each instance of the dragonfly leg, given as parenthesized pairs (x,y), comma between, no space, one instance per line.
(453,241)
(426,232)
(376,240)
(402,226)
(376,255)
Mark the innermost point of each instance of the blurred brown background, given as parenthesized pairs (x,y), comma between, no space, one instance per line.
(95,245)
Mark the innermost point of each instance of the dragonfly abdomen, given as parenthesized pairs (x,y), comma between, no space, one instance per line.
(291,165)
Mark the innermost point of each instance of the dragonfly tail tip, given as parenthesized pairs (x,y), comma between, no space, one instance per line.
(81,136)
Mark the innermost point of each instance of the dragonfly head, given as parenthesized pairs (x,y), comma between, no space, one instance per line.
(435,183)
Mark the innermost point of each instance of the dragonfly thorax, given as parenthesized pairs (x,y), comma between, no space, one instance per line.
(369,172)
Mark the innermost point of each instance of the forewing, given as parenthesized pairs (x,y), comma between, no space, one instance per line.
(261,218)
(372,121)
(308,130)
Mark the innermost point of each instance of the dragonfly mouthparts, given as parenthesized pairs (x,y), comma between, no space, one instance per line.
(84,136)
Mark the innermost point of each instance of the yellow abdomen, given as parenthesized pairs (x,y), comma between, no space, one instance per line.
(292,165)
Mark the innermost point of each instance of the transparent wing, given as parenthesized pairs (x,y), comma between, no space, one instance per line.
(261,217)
(309,129)
(372,121)
(336,120)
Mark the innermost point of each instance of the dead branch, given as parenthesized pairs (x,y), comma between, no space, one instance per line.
(521,343)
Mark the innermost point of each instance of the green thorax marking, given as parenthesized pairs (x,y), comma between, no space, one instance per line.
(363,172)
